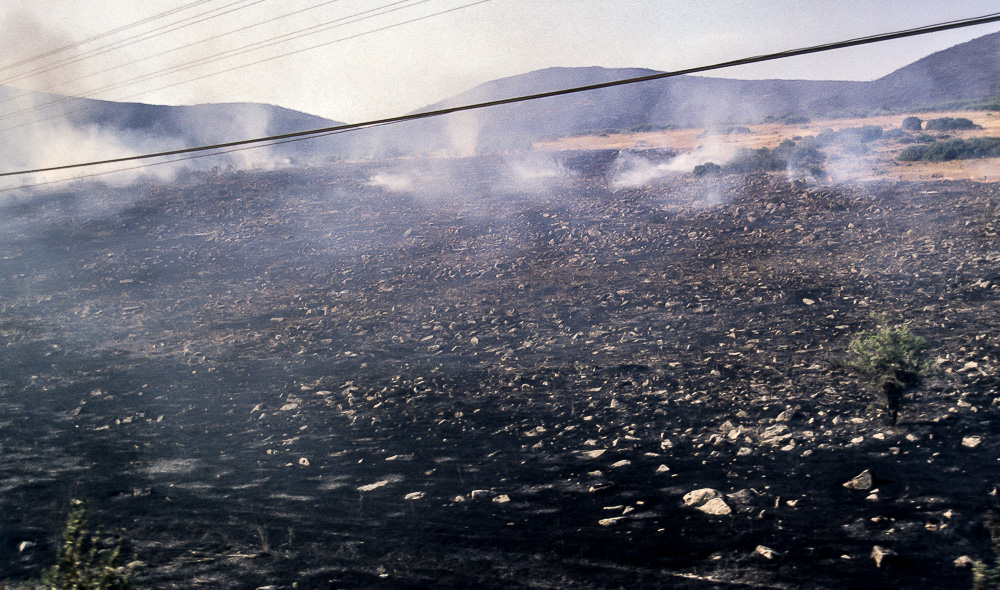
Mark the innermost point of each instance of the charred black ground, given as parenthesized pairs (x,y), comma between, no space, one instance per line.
(251,372)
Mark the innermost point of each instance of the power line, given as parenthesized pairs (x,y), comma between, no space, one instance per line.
(184,23)
(99,36)
(186,158)
(214,38)
(324,44)
(858,41)
(234,68)
(312,30)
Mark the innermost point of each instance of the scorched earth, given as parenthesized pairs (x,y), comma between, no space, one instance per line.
(317,379)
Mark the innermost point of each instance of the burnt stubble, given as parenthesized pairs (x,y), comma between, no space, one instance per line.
(304,379)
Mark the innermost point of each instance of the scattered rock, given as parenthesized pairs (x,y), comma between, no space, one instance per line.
(502,499)
(765,552)
(882,555)
(964,561)
(699,497)
(379,484)
(304,462)
(742,497)
(610,521)
(775,434)
(787,415)
(862,481)
(414,496)
(716,507)
(972,441)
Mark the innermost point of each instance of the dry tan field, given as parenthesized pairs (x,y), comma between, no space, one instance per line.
(881,163)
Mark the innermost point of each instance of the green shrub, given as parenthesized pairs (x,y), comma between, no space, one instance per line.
(85,561)
(987,576)
(953,149)
(891,362)
(948,123)
(749,160)
(731,130)
(911,124)
(795,120)
(862,134)
(913,153)
(802,157)
(706,169)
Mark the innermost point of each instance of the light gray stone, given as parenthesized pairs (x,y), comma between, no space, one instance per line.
(699,497)
(716,507)
(882,555)
(862,481)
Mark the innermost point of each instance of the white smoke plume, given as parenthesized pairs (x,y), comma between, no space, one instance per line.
(393,182)
(630,170)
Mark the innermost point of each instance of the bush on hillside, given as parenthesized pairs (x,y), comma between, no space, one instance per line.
(850,136)
(731,130)
(804,157)
(953,149)
(707,169)
(788,119)
(891,362)
(986,576)
(948,124)
(912,124)
(754,160)
(86,561)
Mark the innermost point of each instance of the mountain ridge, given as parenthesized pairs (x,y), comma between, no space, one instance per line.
(965,72)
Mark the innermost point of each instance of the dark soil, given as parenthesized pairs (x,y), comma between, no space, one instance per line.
(301,379)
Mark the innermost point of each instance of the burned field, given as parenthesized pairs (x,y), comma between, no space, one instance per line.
(304,379)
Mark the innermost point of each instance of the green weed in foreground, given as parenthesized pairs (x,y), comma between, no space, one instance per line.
(891,362)
(85,561)
(986,576)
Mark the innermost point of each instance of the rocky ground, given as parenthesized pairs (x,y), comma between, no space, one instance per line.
(305,379)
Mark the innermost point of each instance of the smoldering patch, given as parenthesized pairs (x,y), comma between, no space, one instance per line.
(534,171)
(631,170)
(393,182)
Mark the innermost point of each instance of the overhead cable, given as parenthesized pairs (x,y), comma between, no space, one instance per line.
(165,29)
(878,38)
(201,61)
(213,39)
(100,36)
(263,60)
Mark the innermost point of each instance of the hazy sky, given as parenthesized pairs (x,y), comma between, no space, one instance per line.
(395,70)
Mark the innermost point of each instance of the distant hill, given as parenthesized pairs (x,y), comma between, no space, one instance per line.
(682,101)
(78,129)
(969,71)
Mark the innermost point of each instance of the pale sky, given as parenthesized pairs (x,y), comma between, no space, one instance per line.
(398,69)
